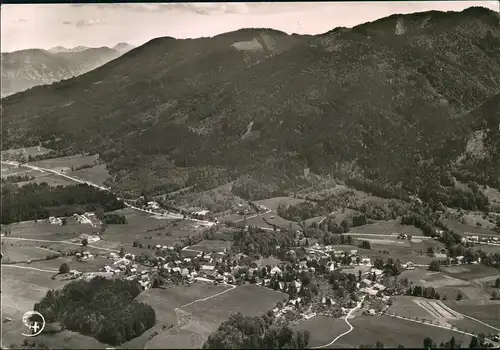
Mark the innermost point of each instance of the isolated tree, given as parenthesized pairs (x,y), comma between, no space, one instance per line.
(85,242)
(64,221)
(497,283)
(459,296)
(64,268)
(135,244)
(428,342)
(474,343)
(365,245)
(434,266)
(122,252)
(379,345)
(494,295)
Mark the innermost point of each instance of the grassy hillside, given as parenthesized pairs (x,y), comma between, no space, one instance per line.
(387,101)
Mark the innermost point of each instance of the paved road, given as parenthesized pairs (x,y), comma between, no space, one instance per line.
(346,319)
(169,215)
(62,242)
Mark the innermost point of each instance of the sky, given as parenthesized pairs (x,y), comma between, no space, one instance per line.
(94,25)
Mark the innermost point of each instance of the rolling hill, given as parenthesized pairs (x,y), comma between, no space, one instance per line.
(24,69)
(393,101)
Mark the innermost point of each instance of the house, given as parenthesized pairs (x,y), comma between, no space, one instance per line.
(354,252)
(377,272)
(365,261)
(202,215)
(153,205)
(367,282)
(207,268)
(185,272)
(275,270)
(379,286)
(55,221)
(410,266)
(338,253)
(440,256)
(218,257)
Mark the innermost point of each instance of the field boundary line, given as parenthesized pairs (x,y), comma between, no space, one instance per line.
(346,319)
(29,268)
(62,242)
(449,309)
(204,299)
(430,324)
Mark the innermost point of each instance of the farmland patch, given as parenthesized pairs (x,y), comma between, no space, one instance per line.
(97,174)
(393,332)
(322,329)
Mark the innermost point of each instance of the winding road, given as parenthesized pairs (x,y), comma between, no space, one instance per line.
(346,319)
(168,214)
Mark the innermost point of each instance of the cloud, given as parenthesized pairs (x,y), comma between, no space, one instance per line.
(67,22)
(89,23)
(21,20)
(198,8)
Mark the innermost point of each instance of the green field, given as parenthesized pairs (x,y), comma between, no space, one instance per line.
(471,271)
(485,311)
(211,246)
(22,253)
(44,230)
(97,174)
(50,179)
(27,151)
(468,230)
(200,319)
(147,230)
(392,332)
(387,228)
(322,329)
(65,163)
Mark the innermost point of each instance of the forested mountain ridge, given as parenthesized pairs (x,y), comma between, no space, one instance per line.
(387,100)
(24,69)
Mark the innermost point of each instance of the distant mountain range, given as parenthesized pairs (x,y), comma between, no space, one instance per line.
(396,102)
(25,69)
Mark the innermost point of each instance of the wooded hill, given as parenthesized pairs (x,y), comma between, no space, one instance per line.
(394,101)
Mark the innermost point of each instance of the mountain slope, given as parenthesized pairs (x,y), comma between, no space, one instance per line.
(24,69)
(380,101)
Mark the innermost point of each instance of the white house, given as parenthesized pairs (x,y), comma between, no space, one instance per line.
(275,270)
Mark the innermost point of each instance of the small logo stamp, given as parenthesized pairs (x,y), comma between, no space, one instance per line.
(35,322)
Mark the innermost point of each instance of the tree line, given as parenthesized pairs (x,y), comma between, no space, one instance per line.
(243,332)
(39,201)
(101,308)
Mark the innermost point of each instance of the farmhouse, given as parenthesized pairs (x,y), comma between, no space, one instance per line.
(275,270)
(153,205)
(202,215)
(440,256)
(365,261)
(55,221)
(90,238)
